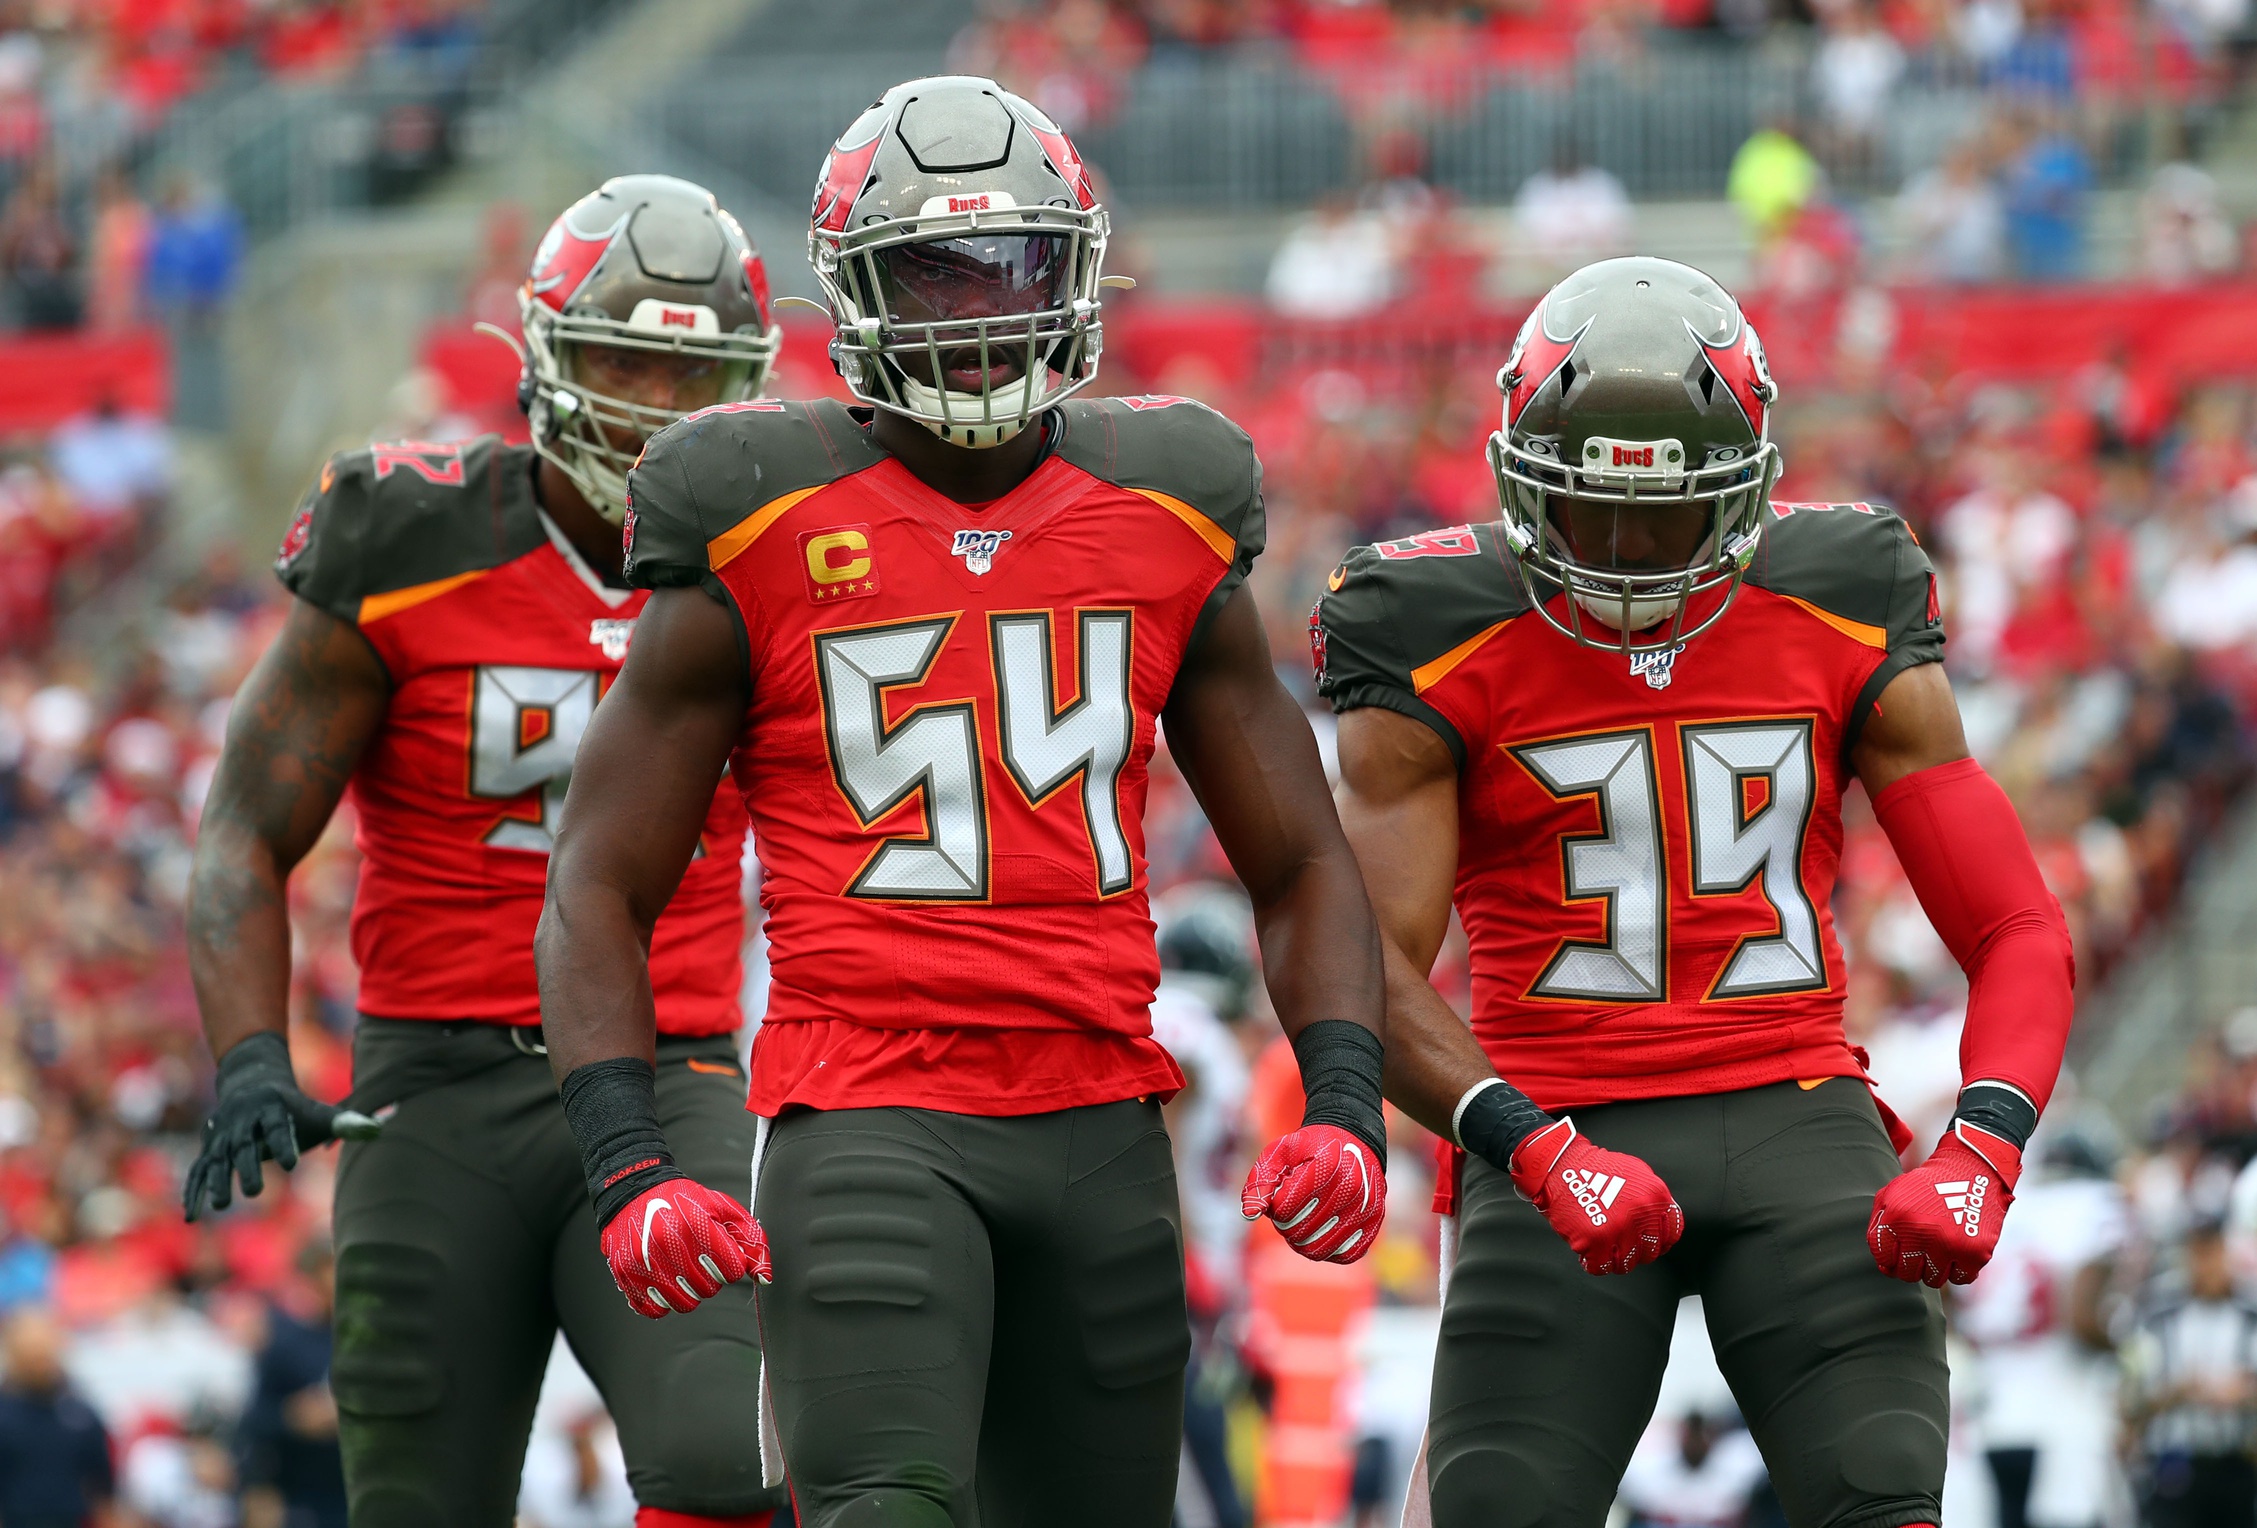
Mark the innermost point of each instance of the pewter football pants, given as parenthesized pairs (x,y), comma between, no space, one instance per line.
(465,1238)
(975,1321)
(1547,1375)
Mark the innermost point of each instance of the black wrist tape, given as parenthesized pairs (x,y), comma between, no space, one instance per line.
(2000,1110)
(258,1056)
(1496,1120)
(612,1107)
(1340,1064)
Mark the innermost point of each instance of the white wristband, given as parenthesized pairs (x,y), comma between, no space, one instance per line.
(1457,1115)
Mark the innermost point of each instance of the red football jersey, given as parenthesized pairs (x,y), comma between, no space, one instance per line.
(953,710)
(499,642)
(1646,853)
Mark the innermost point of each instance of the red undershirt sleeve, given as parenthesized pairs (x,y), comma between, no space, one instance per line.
(1970,864)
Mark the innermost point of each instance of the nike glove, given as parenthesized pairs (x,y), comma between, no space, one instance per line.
(1610,1207)
(261,1114)
(1326,1190)
(1938,1224)
(679,1242)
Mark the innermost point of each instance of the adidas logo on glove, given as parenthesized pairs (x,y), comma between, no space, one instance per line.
(1594,1191)
(1964,1199)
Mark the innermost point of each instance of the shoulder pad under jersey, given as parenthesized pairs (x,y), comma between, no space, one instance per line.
(704,477)
(1393,613)
(400,514)
(1179,449)
(1858,564)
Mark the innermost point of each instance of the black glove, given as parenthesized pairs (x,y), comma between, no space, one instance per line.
(261,1114)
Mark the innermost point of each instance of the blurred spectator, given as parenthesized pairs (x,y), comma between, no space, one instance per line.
(111,462)
(575,1475)
(117,266)
(1954,222)
(1702,1471)
(181,1480)
(39,254)
(2184,235)
(1856,68)
(55,1467)
(1339,262)
(2191,1368)
(2209,600)
(2046,179)
(1773,177)
(2038,1319)
(195,249)
(1569,215)
(294,1475)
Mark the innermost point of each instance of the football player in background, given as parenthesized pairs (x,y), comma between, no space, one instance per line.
(935,638)
(458,613)
(1614,728)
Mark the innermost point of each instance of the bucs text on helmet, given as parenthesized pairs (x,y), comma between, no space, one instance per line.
(1635,462)
(644,263)
(959,242)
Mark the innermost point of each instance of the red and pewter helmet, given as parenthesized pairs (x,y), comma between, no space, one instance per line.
(1637,414)
(959,243)
(645,262)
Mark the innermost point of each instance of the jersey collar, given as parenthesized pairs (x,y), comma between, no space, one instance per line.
(579,565)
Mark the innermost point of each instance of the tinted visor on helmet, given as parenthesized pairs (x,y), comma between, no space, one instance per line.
(1615,537)
(944,281)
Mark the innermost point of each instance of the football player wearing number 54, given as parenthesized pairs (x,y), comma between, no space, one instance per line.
(1613,728)
(935,637)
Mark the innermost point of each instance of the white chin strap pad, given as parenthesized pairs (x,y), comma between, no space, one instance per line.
(1023,398)
(1643,613)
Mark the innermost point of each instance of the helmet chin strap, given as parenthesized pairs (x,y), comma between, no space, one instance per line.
(1643,613)
(926,407)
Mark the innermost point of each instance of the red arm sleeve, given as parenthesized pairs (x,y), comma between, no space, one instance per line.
(1963,849)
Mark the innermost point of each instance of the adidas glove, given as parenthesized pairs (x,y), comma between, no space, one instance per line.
(1939,1223)
(1610,1206)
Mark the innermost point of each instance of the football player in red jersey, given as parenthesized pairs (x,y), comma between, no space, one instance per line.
(458,612)
(935,638)
(1614,728)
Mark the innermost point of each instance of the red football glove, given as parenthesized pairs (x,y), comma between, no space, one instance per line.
(1939,1223)
(1610,1207)
(677,1243)
(1324,1188)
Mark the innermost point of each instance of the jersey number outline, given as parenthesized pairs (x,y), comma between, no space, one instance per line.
(1732,848)
(525,727)
(933,751)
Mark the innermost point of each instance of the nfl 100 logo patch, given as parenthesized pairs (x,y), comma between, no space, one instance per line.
(978,548)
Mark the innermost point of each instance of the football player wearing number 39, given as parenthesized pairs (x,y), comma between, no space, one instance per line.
(1614,727)
(935,637)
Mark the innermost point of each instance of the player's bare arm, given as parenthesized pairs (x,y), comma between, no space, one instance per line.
(297,729)
(641,785)
(1398,802)
(1248,754)
(1249,757)
(1964,851)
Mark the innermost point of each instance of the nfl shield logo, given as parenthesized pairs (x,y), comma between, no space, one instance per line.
(1656,664)
(978,548)
(612,637)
